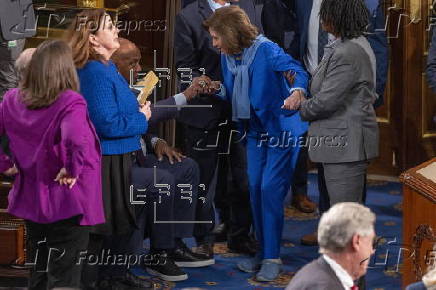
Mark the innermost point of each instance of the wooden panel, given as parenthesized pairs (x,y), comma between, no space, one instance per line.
(419,223)
(389,115)
(413,218)
(12,240)
(418,144)
(4,191)
(144,24)
(407,120)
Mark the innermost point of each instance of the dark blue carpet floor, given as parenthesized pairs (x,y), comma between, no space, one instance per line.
(384,198)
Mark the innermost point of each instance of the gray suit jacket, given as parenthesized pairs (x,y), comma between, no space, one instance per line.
(343,124)
(317,275)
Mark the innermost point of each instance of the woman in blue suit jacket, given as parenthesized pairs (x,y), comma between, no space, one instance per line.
(253,71)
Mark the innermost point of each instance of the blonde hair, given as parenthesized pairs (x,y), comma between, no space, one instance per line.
(234,27)
(50,71)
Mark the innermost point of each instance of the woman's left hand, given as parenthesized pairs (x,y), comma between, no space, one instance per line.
(293,102)
(65,179)
(11,171)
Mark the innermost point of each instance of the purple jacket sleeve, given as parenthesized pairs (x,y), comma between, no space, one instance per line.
(5,161)
(76,137)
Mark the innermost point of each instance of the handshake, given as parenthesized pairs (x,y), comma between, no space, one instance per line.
(202,85)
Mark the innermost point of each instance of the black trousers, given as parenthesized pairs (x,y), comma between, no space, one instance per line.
(201,145)
(233,197)
(54,250)
(186,176)
(299,181)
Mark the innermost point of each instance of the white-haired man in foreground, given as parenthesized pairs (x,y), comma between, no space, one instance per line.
(345,236)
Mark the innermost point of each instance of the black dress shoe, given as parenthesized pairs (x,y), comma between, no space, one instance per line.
(220,233)
(184,257)
(164,267)
(205,250)
(244,246)
(129,282)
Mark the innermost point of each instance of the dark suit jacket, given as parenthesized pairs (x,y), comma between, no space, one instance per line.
(193,49)
(317,275)
(377,39)
(162,114)
(416,286)
(279,23)
(431,63)
(158,114)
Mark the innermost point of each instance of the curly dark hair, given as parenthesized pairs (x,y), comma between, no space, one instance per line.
(348,18)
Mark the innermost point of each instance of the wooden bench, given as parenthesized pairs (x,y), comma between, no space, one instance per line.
(12,231)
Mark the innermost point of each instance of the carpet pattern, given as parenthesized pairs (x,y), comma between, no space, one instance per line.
(384,273)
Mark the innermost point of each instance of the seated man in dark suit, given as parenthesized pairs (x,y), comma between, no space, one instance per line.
(345,237)
(166,239)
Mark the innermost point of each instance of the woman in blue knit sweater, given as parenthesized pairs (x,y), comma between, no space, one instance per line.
(117,117)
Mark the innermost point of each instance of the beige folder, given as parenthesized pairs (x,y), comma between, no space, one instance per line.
(149,82)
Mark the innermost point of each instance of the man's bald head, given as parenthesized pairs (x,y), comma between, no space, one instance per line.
(127,57)
(23,61)
(126,47)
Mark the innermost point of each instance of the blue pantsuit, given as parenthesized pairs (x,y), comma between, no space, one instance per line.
(271,135)
(269,168)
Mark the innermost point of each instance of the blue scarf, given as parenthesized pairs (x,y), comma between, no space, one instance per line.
(241,86)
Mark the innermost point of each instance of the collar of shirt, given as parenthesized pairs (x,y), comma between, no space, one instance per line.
(342,275)
(333,41)
(214,5)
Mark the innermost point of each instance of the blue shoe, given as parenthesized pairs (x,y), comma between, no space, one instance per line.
(250,265)
(269,271)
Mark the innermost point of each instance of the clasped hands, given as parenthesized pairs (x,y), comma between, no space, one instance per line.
(202,85)
(293,102)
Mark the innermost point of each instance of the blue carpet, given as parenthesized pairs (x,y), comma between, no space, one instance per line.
(384,198)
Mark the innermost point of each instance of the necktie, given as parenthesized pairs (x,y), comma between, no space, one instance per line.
(354,287)
(323,39)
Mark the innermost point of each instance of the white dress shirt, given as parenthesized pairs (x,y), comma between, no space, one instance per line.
(342,275)
(311,56)
(214,5)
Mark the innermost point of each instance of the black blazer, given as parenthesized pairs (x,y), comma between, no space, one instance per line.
(194,50)
(279,23)
(431,63)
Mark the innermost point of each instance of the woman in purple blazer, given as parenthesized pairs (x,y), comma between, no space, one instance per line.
(57,161)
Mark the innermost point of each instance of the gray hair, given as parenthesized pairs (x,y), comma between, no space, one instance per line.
(23,61)
(338,225)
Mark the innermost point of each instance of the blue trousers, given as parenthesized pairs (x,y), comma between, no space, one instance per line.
(269,167)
